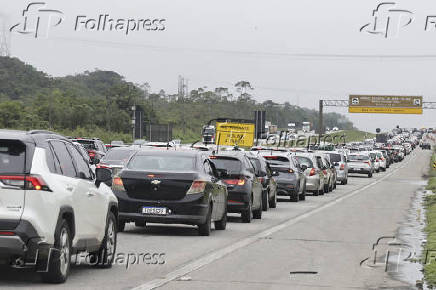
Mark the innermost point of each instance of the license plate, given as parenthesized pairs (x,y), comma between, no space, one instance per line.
(155,210)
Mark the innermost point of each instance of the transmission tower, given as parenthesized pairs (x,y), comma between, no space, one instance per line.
(4,38)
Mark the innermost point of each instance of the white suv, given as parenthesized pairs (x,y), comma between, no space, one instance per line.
(52,205)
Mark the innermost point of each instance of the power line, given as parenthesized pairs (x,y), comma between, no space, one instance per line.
(306,56)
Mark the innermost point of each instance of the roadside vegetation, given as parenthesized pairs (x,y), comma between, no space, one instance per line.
(353,135)
(98,104)
(430,249)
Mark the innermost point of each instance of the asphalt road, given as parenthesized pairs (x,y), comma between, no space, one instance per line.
(324,239)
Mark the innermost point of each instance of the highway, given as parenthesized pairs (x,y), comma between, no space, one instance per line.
(323,240)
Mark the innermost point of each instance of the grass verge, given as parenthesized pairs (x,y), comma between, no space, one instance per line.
(430,248)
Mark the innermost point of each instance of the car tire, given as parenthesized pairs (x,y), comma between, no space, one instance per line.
(273,201)
(265,196)
(121,226)
(343,182)
(59,259)
(222,224)
(303,194)
(204,229)
(294,195)
(257,213)
(246,215)
(105,256)
(140,224)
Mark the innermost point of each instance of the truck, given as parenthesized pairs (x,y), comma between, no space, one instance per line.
(208,134)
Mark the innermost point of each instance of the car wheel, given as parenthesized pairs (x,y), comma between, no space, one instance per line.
(246,215)
(59,259)
(343,182)
(294,195)
(265,195)
(121,226)
(140,224)
(104,257)
(204,229)
(303,194)
(222,224)
(257,213)
(273,201)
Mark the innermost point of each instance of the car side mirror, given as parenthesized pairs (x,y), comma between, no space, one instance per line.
(275,173)
(303,167)
(102,175)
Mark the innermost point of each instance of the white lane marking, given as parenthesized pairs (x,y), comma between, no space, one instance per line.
(218,254)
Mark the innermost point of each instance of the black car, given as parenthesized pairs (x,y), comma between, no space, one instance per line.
(269,186)
(291,180)
(171,187)
(243,186)
(115,159)
(95,148)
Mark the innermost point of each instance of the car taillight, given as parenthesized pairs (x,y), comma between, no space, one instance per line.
(312,172)
(28,182)
(117,184)
(383,159)
(7,234)
(240,181)
(342,167)
(102,166)
(197,186)
(91,153)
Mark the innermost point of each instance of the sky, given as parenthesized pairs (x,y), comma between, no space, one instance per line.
(294,51)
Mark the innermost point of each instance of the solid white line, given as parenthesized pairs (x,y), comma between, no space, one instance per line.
(218,254)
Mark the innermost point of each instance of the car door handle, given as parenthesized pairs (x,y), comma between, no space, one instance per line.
(90,194)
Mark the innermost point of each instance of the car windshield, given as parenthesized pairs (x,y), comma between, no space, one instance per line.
(118,155)
(335,157)
(232,165)
(87,144)
(12,156)
(278,160)
(162,163)
(304,161)
(358,158)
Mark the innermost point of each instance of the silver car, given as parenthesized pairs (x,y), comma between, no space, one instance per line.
(360,163)
(339,160)
(313,169)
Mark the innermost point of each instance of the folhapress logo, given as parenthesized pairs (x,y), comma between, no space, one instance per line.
(388,20)
(37,20)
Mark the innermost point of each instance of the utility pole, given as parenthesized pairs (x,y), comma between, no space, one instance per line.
(320,120)
(133,121)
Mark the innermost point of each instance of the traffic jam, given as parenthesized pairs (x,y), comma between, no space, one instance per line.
(200,184)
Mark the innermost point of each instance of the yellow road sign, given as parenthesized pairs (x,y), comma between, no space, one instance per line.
(385,104)
(231,134)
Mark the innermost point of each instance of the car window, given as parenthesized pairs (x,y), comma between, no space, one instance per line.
(12,156)
(64,157)
(319,162)
(79,161)
(334,157)
(305,161)
(231,164)
(162,162)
